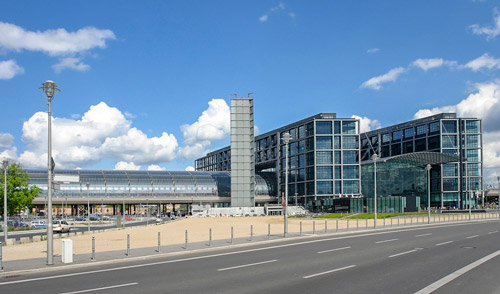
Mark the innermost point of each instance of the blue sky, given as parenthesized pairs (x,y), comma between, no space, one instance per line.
(145,84)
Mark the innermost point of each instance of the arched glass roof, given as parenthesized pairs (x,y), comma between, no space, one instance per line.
(423,158)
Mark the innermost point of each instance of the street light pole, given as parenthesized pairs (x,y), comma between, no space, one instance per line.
(5,227)
(49,88)
(88,206)
(375,158)
(286,138)
(428,168)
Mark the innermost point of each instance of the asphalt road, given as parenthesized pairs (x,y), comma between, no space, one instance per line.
(447,258)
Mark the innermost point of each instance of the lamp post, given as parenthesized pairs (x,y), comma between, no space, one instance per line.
(5,227)
(428,168)
(375,158)
(286,139)
(88,206)
(49,88)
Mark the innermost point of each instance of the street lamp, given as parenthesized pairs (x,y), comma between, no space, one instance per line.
(88,206)
(5,227)
(428,168)
(286,139)
(49,88)
(375,158)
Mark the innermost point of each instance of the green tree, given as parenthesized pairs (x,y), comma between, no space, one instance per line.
(19,195)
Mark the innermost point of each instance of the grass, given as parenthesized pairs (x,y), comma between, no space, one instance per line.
(380,215)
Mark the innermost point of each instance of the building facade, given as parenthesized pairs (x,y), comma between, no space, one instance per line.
(451,183)
(324,158)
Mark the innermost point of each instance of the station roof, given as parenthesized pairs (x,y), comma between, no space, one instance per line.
(423,158)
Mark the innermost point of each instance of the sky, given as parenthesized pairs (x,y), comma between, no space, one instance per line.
(146,84)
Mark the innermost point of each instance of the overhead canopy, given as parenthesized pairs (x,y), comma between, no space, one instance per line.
(423,158)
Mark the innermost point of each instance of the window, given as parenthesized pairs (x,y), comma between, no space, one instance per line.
(324,142)
(324,187)
(434,128)
(449,126)
(338,187)
(336,142)
(310,158)
(324,172)
(350,157)
(348,127)
(396,136)
(310,173)
(351,172)
(323,127)
(324,157)
(301,146)
(472,140)
(450,151)
(301,176)
(338,172)
(472,126)
(433,143)
(310,144)
(420,145)
(350,142)
(408,133)
(386,151)
(302,132)
(301,160)
(450,170)
(310,188)
(473,155)
(395,149)
(386,138)
(336,127)
(310,129)
(449,141)
(473,169)
(351,187)
(421,130)
(450,184)
(408,147)
(337,159)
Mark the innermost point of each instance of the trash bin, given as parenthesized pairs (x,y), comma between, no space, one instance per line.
(67,251)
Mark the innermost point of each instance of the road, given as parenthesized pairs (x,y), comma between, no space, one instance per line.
(448,258)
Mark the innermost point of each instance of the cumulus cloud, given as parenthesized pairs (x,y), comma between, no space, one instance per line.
(71,63)
(491,32)
(122,165)
(483,103)
(366,124)
(155,167)
(53,42)
(212,125)
(280,6)
(484,61)
(102,132)
(190,168)
(390,76)
(6,140)
(9,69)
(430,63)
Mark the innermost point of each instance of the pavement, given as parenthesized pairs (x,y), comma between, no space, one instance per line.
(111,245)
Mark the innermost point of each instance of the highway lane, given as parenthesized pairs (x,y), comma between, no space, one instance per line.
(405,260)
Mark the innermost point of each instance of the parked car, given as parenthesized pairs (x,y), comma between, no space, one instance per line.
(38,224)
(60,226)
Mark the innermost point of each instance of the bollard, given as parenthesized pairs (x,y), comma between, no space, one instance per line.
(186,242)
(1,264)
(93,248)
(398,221)
(128,245)
(268,231)
(326,226)
(314,227)
(232,235)
(159,244)
(300,228)
(384,222)
(366,222)
(251,232)
(337,226)
(391,222)
(404,223)
(210,237)
(357,224)
(348,225)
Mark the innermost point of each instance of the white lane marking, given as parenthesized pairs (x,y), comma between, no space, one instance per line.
(328,272)
(470,237)
(448,242)
(246,265)
(390,240)
(423,235)
(406,252)
(336,249)
(436,285)
(494,232)
(102,288)
(225,253)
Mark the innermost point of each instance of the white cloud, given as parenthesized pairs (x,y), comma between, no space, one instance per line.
(72,63)
(263,18)
(6,140)
(390,76)
(491,32)
(372,50)
(122,165)
(190,168)
(280,6)
(484,61)
(430,63)
(9,69)
(367,124)
(484,103)
(195,150)
(53,42)
(155,167)
(102,132)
